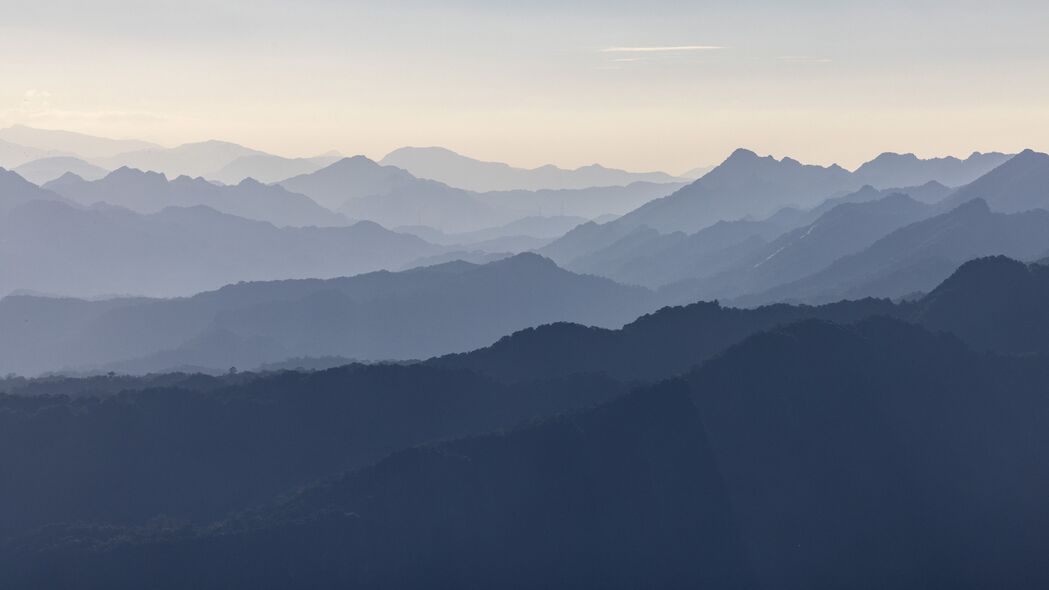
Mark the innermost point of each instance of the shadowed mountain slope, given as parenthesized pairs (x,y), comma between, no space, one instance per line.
(917,257)
(1020,184)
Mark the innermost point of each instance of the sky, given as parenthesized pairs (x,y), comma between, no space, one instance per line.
(654,85)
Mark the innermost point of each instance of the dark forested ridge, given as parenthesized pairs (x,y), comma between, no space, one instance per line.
(193,450)
(993,304)
(859,444)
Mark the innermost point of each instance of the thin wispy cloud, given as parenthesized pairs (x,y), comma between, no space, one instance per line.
(661,49)
(803,59)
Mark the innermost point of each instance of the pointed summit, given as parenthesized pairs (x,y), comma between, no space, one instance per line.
(745,184)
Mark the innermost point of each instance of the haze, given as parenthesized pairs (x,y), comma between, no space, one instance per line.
(658,85)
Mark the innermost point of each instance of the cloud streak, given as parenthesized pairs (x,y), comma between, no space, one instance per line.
(803,59)
(661,49)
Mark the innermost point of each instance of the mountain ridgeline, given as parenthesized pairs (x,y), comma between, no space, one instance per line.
(856,435)
(227,368)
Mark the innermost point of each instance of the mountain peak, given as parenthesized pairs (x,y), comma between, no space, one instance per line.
(126,172)
(977,274)
(1029,156)
(975,207)
(895,156)
(742,154)
(67,179)
(525,261)
(358,160)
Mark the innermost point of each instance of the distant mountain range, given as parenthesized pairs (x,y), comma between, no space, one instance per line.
(748,186)
(744,184)
(13,155)
(191,159)
(361,189)
(747,261)
(843,230)
(268,169)
(51,245)
(752,230)
(151,192)
(69,142)
(542,228)
(391,196)
(413,314)
(230,163)
(448,167)
(45,170)
(647,257)
(890,169)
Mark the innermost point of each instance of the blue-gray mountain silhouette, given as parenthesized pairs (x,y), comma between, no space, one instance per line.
(391,196)
(105,250)
(1020,184)
(151,192)
(917,257)
(891,169)
(191,159)
(45,170)
(16,191)
(268,168)
(413,314)
(13,155)
(448,167)
(744,184)
(844,230)
(994,303)
(647,257)
(61,142)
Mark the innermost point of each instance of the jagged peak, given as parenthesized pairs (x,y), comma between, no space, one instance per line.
(129,172)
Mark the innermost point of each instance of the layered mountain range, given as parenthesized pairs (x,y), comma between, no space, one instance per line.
(900,441)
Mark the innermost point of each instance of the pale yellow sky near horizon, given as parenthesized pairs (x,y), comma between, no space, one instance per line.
(649,87)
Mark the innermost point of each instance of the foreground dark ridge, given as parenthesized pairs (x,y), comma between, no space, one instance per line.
(863,456)
(854,458)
